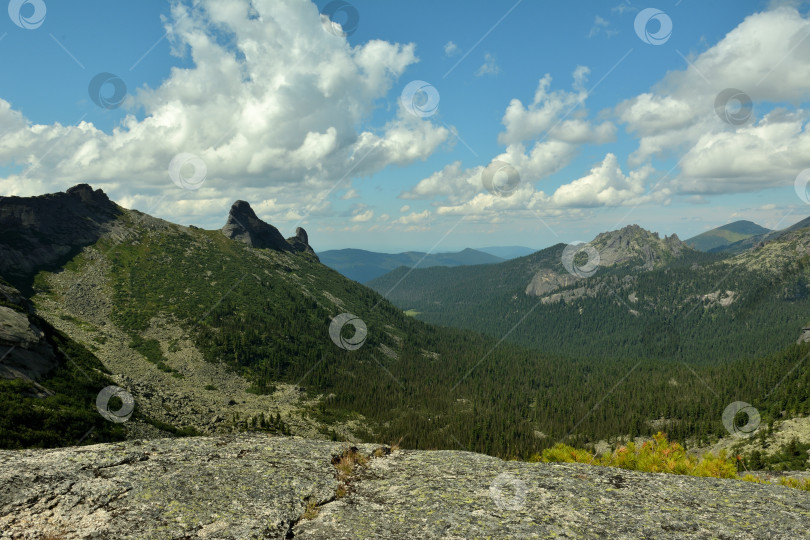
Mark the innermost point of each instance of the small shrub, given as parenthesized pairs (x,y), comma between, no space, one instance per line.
(656,455)
(755,479)
(562,453)
(803,483)
(719,466)
(312,509)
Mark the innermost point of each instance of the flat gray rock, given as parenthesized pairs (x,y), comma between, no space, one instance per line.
(255,486)
(459,495)
(251,486)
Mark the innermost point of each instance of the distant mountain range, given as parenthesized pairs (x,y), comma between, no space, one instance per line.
(645,296)
(753,241)
(720,238)
(508,252)
(363,266)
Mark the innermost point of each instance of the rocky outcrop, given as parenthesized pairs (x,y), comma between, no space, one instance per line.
(254,486)
(638,247)
(243,225)
(24,349)
(632,248)
(300,242)
(547,280)
(44,231)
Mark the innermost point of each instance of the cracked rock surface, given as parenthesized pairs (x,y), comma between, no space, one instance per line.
(254,486)
(450,494)
(247,486)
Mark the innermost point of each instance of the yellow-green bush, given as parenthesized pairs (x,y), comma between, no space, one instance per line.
(562,453)
(719,466)
(655,455)
(803,484)
(659,455)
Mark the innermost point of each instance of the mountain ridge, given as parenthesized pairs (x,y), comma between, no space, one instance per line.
(721,238)
(45,230)
(363,266)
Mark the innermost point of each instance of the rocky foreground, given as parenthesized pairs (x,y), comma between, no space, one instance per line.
(255,486)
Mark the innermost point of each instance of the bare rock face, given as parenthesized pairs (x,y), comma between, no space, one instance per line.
(202,487)
(38,232)
(637,247)
(547,280)
(254,486)
(243,225)
(631,247)
(24,350)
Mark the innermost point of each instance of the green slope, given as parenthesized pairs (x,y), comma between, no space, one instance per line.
(58,409)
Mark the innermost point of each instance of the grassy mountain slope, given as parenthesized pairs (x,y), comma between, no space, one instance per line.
(57,409)
(362,266)
(721,237)
(757,240)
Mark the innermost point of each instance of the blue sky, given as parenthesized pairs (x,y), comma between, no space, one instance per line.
(310,128)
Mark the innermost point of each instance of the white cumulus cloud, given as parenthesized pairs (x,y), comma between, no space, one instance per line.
(273,114)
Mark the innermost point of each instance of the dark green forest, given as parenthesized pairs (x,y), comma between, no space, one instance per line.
(672,320)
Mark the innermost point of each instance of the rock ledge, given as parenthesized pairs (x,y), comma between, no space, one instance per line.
(254,486)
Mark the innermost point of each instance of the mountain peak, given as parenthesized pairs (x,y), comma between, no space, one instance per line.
(88,196)
(49,227)
(245,226)
(633,243)
(300,242)
(720,238)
